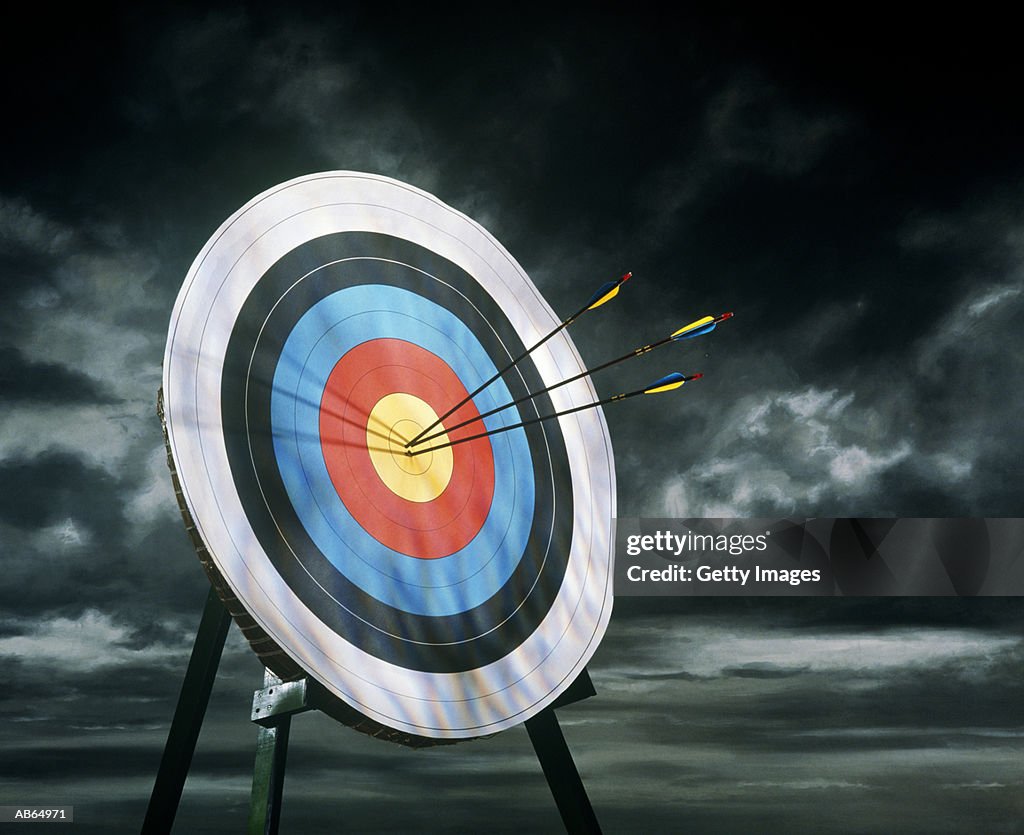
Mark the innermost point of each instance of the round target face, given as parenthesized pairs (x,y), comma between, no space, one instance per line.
(449,594)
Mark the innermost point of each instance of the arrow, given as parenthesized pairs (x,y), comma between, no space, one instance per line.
(701,326)
(666,383)
(605,293)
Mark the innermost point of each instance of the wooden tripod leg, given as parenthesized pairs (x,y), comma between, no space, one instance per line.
(560,770)
(188,717)
(268,778)
(271,751)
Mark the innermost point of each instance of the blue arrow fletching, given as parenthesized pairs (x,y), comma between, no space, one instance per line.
(666,383)
(604,293)
(696,332)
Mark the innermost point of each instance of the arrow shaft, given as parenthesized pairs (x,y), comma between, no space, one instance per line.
(588,306)
(636,352)
(486,383)
(501,429)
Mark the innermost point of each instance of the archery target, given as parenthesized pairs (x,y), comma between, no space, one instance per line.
(450,594)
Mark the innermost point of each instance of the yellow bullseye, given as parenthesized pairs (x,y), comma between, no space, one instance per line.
(394,420)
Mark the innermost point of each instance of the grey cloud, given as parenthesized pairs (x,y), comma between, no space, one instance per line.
(751,123)
(823,445)
(39,491)
(140,573)
(763,670)
(870,369)
(23,229)
(748,124)
(682,675)
(24,379)
(935,415)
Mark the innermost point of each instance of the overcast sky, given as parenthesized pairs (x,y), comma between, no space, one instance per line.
(852,189)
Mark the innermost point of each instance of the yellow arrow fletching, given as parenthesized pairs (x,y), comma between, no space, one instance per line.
(693,326)
(667,383)
(660,389)
(607,297)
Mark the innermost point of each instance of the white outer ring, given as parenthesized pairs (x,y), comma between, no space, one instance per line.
(445,705)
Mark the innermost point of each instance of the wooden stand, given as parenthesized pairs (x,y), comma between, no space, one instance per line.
(188,717)
(272,709)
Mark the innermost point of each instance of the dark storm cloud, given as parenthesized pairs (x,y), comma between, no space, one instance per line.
(121,761)
(113,710)
(38,492)
(825,617)
(65,520)
(760,670)
(1001,615)
(848,192)
(845,376)
(854,725)
(878,435)
(46,382)
(680,676)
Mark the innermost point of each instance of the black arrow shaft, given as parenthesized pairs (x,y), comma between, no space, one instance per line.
(498,431)
(485,384)
(636,352)
(589,305)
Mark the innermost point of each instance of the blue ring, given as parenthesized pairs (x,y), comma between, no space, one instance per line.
(438,587)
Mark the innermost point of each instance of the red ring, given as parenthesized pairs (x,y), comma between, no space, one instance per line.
(426,530)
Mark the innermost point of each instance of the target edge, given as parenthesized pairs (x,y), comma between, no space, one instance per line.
(594,424)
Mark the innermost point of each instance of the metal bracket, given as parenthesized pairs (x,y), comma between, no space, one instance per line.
(279,699)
